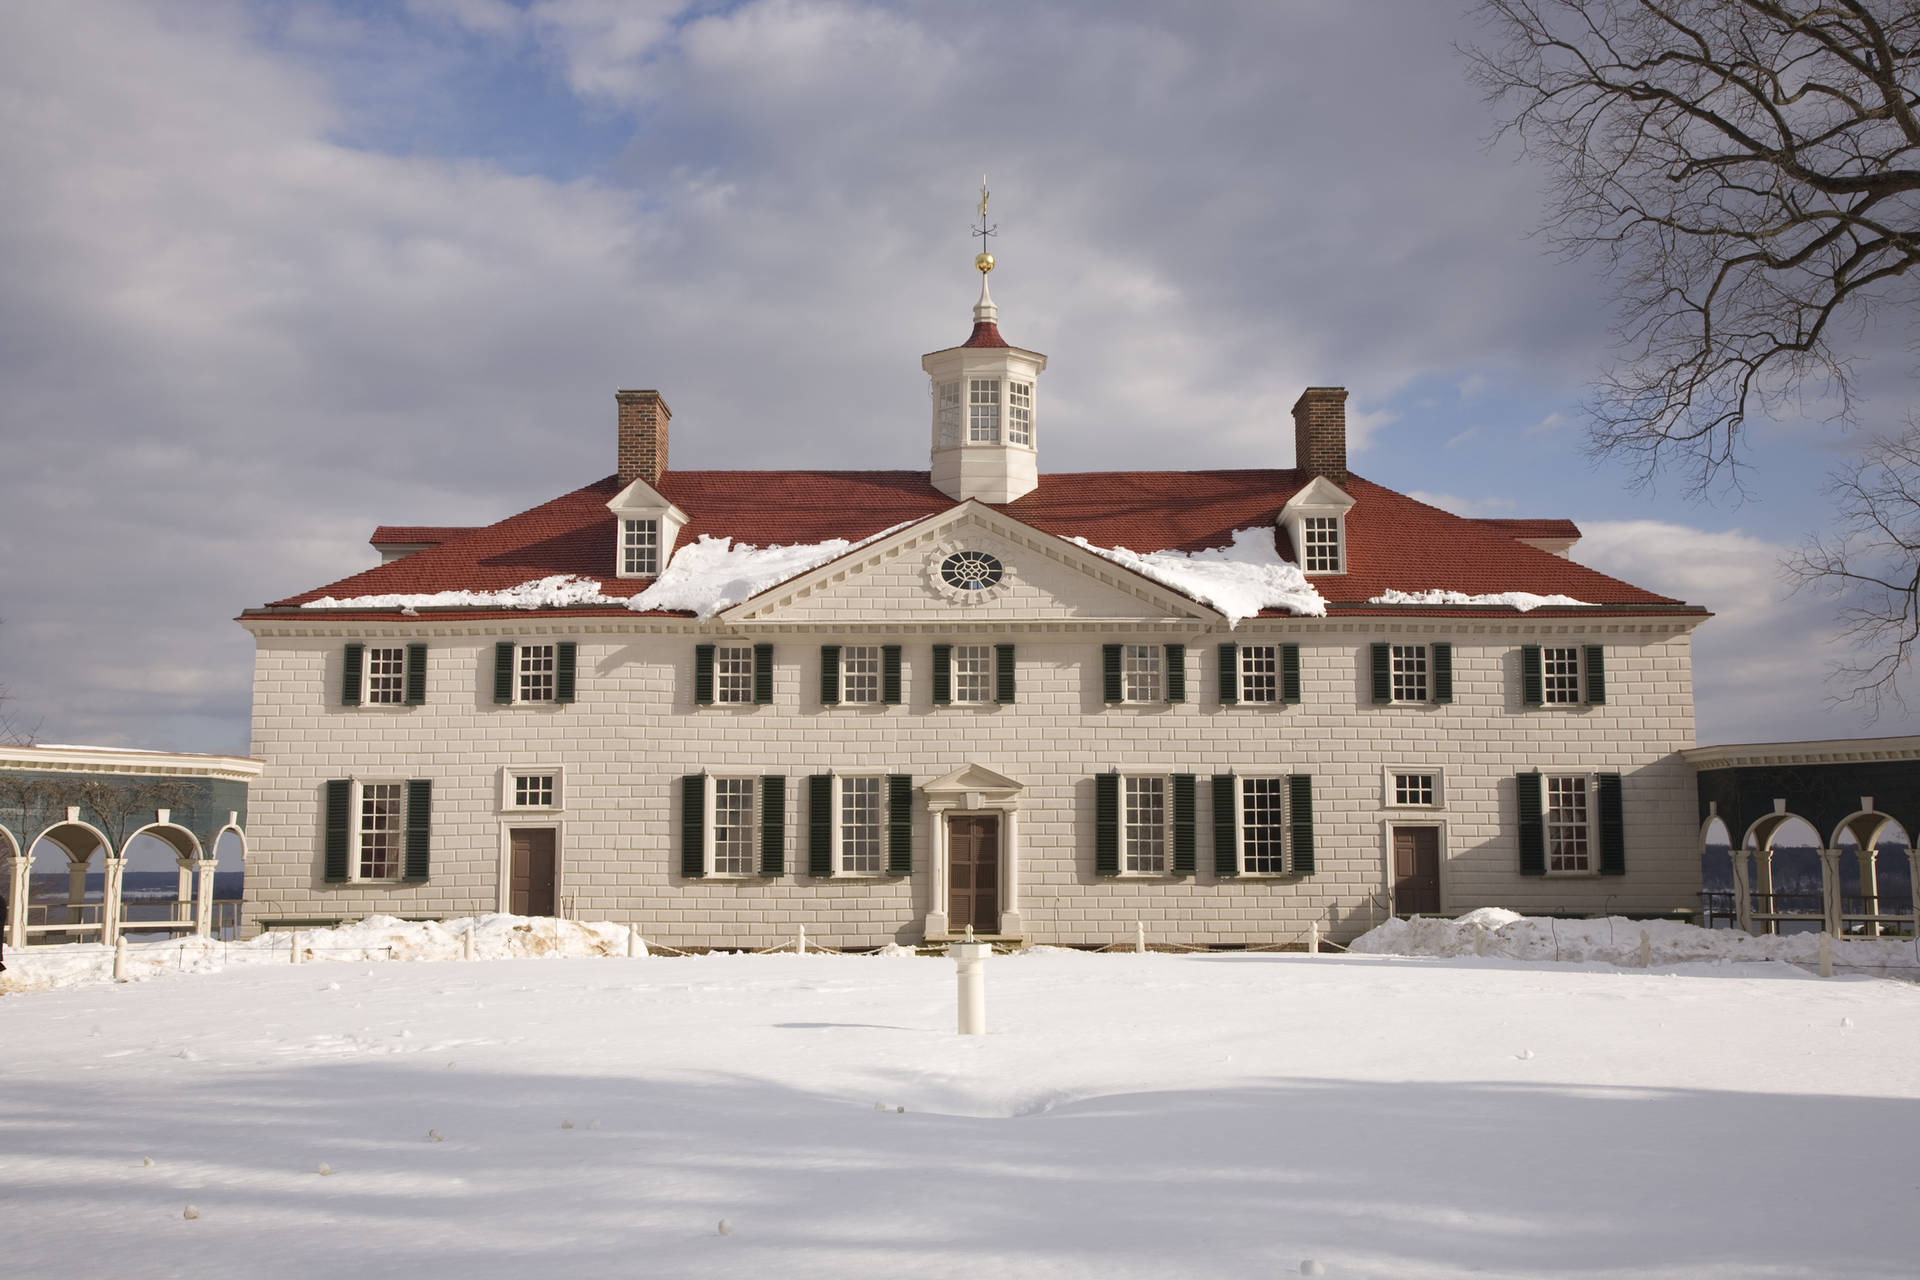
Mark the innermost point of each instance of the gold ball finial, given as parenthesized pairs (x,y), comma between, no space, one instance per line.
(983,263)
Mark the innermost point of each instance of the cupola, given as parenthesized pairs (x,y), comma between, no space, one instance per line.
(985,423)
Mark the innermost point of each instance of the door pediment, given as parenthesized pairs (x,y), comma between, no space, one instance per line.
(973,786)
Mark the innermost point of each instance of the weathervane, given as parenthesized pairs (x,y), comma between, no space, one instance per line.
(985,261)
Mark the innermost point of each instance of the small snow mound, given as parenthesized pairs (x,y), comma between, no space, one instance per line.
(555,592)
(1239,580)
(1523,601)
(895,949)
(711,574)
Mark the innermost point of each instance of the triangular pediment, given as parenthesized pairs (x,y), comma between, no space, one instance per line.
(898,578)
(974,778)
(641,498)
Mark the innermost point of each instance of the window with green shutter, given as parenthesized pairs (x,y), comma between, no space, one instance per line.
(565,663)
(1382,674)
(350,674)
(1596,675)
(1290,673)
(829,674)
(1532,685)
(1613,835)
(820,825)
(1228,658)
(1300,822)
(942,674)
(899,824)
(703,675)
(1442,655)
(773,825)
(339,830)
(1106,824)
(1176,673)
(416,675)
(693,826)
(419,828)
(1183,824)
(1111,688)
(1226,827)
(1003,673)
(1533,828)
(890,674)
(503,672)
(762,674)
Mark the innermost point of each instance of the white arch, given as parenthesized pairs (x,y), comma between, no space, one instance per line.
(1854,823)
(190,852)
(51,836)
(213,850)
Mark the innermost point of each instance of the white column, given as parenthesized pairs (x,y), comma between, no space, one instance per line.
(1010,904)
(76,889)
(1913,885)
(970,959)
(1763,866)
(1869,888)
(203,900)
(110,899)
(1830,889)
(937,855)
(19,870)
(1742,890)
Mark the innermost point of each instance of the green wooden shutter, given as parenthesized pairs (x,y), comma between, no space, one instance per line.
(890,674)
(820,825)
(503,672)
(419,827)
(1300,823)
(1442,672)
(1533,827)
(1003,673)
(1289,673)
(565,663)
(762,674)
(350,675)
(942,674)
(1112,686)
(829,674)
(1382,674)
(1176,673)
(899,824)
(703,675)
(1229,659)
(1596,675)
(416,674)
(1532,687)
(1613,834)
(339,830)
(1183,834)
(1106,824)
(693,826)
(773,825)
(1226,835)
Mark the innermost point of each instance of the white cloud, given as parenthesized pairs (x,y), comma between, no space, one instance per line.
(1471,433)
(1552,424)
(1494,506)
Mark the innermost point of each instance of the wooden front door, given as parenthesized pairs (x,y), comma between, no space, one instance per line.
(1416,870)
(531,873)
(973,873)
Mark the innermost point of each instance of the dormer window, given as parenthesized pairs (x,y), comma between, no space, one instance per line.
(1019,413)
(1320,552)
(983,416)
(640,548)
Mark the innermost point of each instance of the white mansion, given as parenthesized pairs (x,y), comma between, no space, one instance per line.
(887,705)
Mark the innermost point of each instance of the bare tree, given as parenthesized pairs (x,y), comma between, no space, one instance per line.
(1750,172)
(12,732)
(1871,564)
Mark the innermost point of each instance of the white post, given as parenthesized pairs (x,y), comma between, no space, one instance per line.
(1313,938)
(1826,954)
(633,936)
(800,943)
(1139,937)
(466,940)
(294,934)
(120,958)
(970,959)
(1646,950)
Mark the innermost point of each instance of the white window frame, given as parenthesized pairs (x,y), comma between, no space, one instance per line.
(509,773)
(1425,655)
(1589,834)
(1151,673)
(1579,674)
(988,680)
(641,501)
(984,412)
(1241,658)
(710,835)
(639,558)
(720,652)
(1323,498)
(1390,790)
(1019,415)
(367,698)
(1285,807)
(521,673)
(881,815)
(950,413)
(879,673)
(357,851)
(1127,784)
(1309,544)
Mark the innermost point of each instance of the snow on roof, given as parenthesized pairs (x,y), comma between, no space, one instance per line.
(712,574)
(1239,580)
(555,592)
(1524,601)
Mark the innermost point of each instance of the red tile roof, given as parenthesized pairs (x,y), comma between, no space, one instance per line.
(985,334)
(1533,528)
(427,535)
(1392,540)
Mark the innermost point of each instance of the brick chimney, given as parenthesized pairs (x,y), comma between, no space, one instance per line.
(643,435)
(1320,433)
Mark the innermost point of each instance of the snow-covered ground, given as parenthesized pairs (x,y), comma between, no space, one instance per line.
(1128,1116)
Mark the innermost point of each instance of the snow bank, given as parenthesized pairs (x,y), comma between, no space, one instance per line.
(1239,580)
(495,937)
(1521,600)
(711,574)
(1491,931)
(556,592)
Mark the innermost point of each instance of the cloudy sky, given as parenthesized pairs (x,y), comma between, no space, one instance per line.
(274,273)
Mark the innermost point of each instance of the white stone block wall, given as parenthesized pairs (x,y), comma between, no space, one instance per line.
(633,730)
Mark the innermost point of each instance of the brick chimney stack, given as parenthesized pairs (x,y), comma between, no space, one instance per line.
(643,435)
(1320,433)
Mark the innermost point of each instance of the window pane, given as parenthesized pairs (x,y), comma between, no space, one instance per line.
(381,809)
(860,826)
(1142,669)
(1259,673)
(733,826)
(386,675)
(1262,826)
(536,673)
(983,404)
(949,404)
(1020,412)
(1322,552)
(860,673)
(1409,673)
(1560,672)
(733,673)
(1413,788)
(1567,824)
(1146,824)
(533,790)
(640,547)
(973,673)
